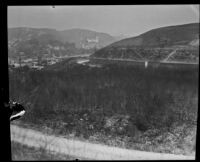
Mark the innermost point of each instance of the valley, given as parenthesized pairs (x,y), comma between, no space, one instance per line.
(138,93)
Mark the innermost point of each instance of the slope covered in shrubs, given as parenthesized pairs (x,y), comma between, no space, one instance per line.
(153,109)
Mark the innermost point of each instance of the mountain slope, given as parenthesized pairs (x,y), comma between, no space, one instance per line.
(27,42)
(31,42)
(180,42)
(165,36)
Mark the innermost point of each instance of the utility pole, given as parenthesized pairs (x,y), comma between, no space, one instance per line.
(39,59)
(20,60)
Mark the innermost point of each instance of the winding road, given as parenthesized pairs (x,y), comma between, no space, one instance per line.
(86,150)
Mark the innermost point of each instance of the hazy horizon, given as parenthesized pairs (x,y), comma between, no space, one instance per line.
(128,20)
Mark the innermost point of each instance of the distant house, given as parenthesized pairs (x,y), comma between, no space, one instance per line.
(37,67)
(10,61)
(16,65)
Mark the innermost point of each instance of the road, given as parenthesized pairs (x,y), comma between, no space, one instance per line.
(82,55)
(86,150)
(141,61)
(172,53)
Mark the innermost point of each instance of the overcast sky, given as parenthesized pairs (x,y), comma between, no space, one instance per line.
(129,20)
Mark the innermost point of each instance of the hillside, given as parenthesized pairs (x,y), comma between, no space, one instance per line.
(165,36)
(123,106)
(32,43)
(156,45)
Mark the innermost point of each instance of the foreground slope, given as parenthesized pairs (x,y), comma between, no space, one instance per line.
(85,149)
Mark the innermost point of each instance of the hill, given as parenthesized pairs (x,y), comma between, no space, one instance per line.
(180,42)
(165,36)
(44,42)
(31,42)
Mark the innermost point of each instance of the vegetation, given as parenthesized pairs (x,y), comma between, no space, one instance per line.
(152,109)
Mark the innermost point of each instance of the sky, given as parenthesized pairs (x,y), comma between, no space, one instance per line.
(128,20)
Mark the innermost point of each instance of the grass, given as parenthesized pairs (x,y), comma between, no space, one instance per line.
(23,152)
(153,109)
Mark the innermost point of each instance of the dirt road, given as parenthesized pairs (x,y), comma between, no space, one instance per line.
(142,61)
(81,149)
(172,53)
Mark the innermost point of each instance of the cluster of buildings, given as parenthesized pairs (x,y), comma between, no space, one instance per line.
(90,43)
(36,63)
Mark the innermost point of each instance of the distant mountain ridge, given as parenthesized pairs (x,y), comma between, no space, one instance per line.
(82,38)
